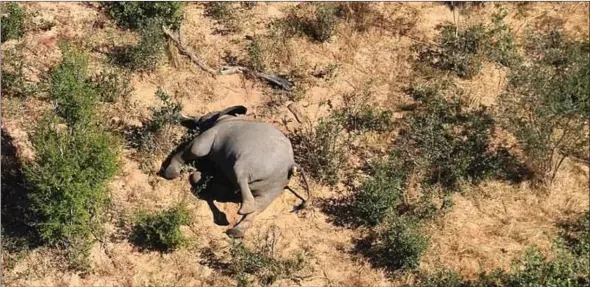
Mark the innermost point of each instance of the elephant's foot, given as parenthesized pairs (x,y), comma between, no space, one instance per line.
(248,206)
(195,177)
(235,233)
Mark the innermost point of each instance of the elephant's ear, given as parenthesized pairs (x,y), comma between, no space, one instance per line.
(188,122)
(235,110)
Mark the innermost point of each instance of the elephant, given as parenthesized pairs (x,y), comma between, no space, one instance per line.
(254,157)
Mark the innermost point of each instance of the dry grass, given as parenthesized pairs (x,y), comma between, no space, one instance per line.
(487,227)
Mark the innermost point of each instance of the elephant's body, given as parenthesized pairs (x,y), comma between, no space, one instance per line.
(260,149)
(255,157)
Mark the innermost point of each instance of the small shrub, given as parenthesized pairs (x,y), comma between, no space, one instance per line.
(401,245)
(113,84)
(13,21)
(360,115)
(68,179)
(318,27)
(161,231)
(74,95)
(463,51)
(225,13)
(14,81)
(324,149)
(378,197)
(546,104)
(137,15)
(262,264)
(145,138)
(146,54)
(361,14)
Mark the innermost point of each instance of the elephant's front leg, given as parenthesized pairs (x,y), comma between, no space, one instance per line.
(199,147)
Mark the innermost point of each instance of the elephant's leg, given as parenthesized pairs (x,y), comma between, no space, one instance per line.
(263,201)
(242,178)
(199,147)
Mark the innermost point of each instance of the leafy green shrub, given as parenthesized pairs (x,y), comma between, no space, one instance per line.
(146,54)
(401,245)
(13,18)
(68,179)
(380,195)
(463,51)
(262,264)
(75,96)
(137,15)
(546,104)
(161,231)
(113,84)
(323,147)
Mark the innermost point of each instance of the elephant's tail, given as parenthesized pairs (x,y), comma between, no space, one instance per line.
(296,168)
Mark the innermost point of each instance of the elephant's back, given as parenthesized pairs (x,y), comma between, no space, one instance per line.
(260,146)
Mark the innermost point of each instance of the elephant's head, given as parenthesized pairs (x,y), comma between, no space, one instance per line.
(207,121)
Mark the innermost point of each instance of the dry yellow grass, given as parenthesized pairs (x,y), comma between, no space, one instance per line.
(489,225)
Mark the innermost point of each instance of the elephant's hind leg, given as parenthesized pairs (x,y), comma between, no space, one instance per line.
(242,178)
(263,201)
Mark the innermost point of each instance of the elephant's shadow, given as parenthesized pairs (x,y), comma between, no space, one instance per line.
(214,187)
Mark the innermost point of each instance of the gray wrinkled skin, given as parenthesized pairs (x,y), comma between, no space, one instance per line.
(255,157)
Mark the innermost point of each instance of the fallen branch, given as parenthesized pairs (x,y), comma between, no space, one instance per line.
(192,56)
(227,70)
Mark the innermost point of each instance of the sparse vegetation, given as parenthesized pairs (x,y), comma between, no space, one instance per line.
(13,21)
(546,104)
(566,268)
(113,84)
(226,15)
(262,264)
(15,83)
(161,231)
(319,26)
(462,52)
(323,149)
(402,244)
(145,138)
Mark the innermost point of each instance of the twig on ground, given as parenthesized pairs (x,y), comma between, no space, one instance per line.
(192,56)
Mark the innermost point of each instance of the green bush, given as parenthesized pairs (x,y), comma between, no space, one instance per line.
(160,231)
(146,54)
(262,264)
(113,84)
(68,179)
(137,15)
(74,95)
(360,115)
(546,103)
(380,195)
(13,19)
(401,245)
